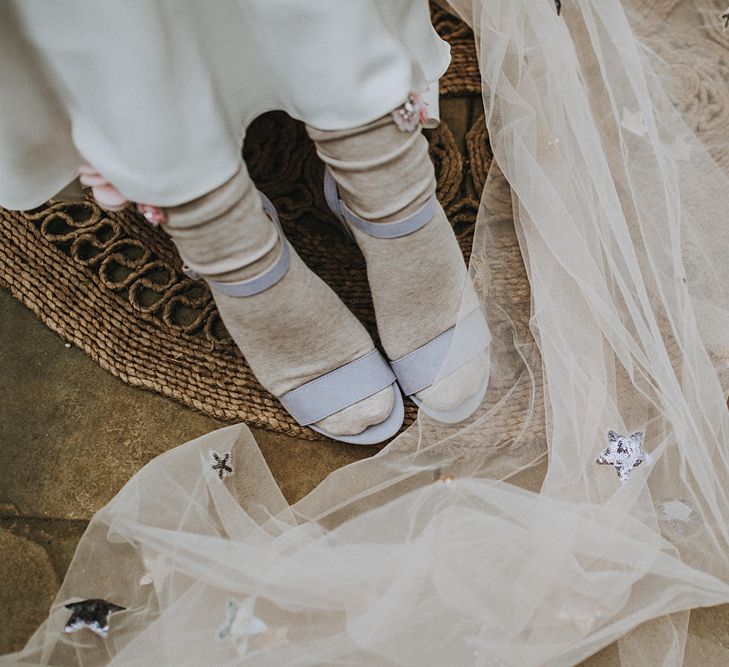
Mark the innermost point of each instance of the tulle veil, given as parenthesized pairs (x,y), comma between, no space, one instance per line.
(499,540)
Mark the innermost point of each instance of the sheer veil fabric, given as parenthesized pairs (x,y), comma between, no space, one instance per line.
(500,540)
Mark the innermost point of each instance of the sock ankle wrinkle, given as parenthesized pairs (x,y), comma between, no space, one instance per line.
(419,282)
(225,235)
(383,174)
(293,332)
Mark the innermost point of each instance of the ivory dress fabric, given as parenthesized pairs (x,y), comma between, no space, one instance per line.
(157,94)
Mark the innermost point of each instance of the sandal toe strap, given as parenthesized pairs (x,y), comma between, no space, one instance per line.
(338,389)
(442,355)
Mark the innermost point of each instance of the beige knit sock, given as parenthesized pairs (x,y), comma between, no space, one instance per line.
(294,331)
(419,282)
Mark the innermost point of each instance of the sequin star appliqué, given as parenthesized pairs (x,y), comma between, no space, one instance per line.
(624,453)
(92,614)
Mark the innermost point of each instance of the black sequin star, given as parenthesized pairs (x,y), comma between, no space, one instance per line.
(91,614)
(221,465)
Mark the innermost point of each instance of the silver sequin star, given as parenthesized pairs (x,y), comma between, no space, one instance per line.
(241,621)
(247,631)
(624,452)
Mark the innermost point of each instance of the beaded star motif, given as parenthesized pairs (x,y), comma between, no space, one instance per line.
(222,464)
(154,215)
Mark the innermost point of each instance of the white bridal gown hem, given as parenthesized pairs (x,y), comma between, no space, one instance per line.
(157,96)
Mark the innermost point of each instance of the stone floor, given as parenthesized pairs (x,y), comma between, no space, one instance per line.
(71,435)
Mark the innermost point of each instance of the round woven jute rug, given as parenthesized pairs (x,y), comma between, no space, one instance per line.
(113,286)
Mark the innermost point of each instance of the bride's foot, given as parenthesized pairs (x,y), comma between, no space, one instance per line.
(417,275)
(420,286)
(290,326)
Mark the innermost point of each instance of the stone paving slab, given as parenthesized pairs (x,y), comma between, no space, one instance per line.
(28,584)
(711,625)
(71,434)
(58,538)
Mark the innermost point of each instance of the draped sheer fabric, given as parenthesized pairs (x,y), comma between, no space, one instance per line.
(500,540)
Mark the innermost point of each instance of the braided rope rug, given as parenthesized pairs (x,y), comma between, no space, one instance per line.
(112,285)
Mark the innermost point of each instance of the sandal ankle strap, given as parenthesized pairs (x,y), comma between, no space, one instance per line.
(268,278)
(380,230)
